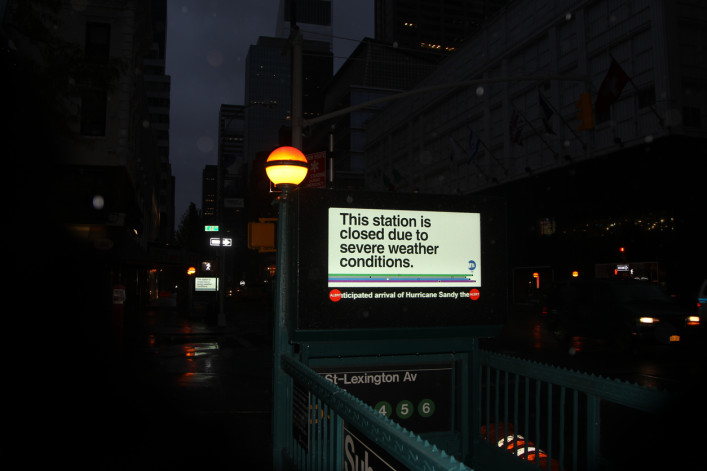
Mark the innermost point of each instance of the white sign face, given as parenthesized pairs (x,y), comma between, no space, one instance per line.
(403,248)
(221,241)
(205,283)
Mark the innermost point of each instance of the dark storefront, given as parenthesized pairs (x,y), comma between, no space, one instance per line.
(642,207)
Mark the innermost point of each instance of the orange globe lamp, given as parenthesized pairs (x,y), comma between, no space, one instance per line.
(286,167)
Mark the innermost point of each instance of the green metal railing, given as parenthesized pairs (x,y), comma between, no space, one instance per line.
(318,418)
(529,415)
(552,417)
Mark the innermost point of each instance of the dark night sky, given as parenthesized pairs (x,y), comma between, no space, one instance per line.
(207,45)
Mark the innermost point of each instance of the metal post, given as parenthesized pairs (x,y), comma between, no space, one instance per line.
(297,116)
(593,432)
(471,404)
(221,316)
(330,159)
(222,281)
(282,384)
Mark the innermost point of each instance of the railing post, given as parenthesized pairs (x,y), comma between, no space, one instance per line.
(471,429)
(593,432)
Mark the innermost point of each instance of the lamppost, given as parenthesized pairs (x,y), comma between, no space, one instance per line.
(286,168)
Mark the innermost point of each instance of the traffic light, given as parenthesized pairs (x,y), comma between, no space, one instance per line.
(585,115)
(208,267)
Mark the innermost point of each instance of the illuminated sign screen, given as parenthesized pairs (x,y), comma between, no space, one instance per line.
(398,248)
(390,260)
(205,283)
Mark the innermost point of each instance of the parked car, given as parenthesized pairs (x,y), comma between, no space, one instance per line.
(621,312)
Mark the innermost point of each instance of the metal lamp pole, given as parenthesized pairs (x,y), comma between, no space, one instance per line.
(281,383)
(290,161)
(286,168)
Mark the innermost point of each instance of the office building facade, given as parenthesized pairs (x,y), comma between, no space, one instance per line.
(577,190)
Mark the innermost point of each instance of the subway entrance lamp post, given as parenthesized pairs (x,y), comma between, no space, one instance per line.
(286,168)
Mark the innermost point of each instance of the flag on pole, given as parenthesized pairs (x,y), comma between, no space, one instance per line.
(516,127)
(455,149)
(474,142)
(547,113)
(611,87)
(388,183)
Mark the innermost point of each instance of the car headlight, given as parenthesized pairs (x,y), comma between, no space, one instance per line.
(648,320)
(693,320)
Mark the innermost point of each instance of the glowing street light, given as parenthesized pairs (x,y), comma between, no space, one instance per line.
(286,167)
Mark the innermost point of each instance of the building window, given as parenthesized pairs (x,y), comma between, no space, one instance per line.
(646,97)
(97,40)
(691,116)
(94,105)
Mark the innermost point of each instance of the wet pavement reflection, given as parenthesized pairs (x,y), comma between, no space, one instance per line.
(525,334)
(201,393)
(192,396)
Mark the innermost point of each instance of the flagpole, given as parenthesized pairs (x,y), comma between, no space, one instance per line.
(533,129)
(505,170)
(638,90)
(548,103)
(478,167)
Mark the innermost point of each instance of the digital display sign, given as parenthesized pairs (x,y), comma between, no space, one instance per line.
(205,283)
(389,260)
(402,248)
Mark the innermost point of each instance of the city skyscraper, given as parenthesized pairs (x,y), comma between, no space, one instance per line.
(267,111)
(268,98)
(314,17)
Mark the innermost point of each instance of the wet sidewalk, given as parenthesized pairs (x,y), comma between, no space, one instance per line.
(196,395)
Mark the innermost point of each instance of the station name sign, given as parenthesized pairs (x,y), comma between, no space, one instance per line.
(369,260)
(418,397)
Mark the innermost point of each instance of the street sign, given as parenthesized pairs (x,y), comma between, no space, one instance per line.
(417,396)
(316,177)
(363,453)
(211,228)
(221,242)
